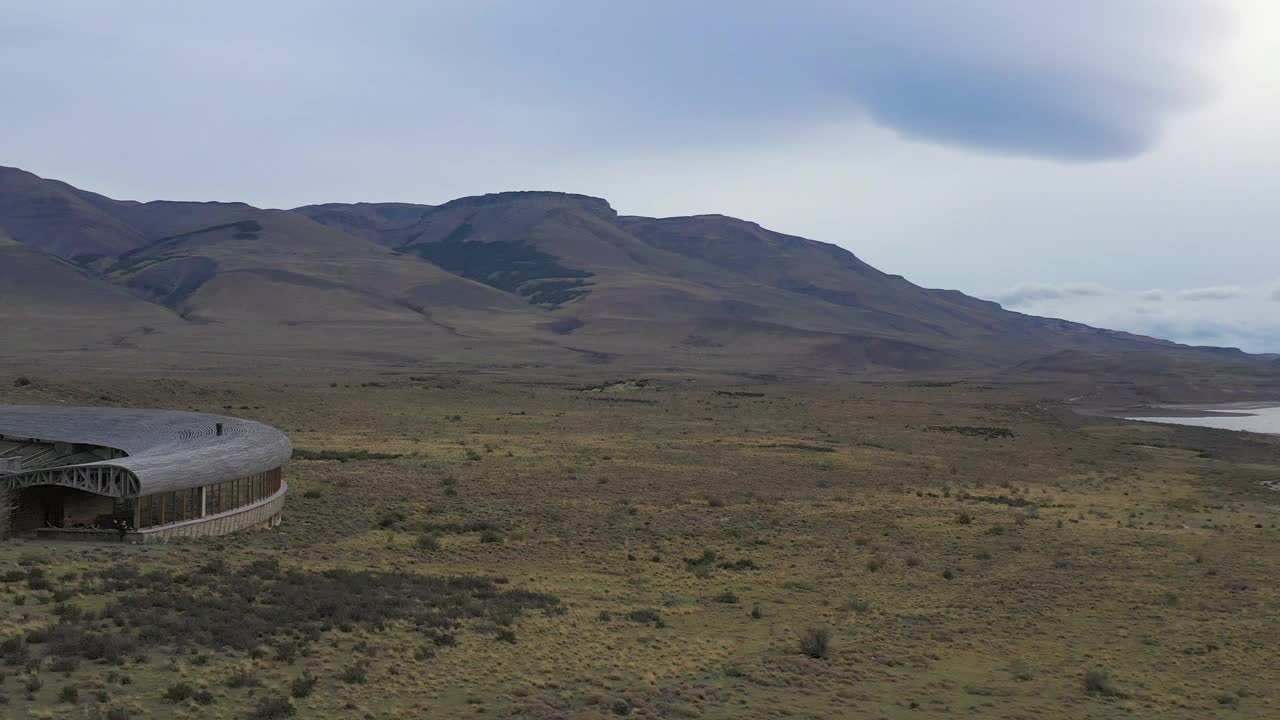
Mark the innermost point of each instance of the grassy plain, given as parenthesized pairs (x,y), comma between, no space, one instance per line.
(974,551)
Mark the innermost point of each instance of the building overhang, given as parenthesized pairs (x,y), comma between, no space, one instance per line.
(98,479)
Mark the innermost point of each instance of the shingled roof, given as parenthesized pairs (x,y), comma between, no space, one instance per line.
(165,450)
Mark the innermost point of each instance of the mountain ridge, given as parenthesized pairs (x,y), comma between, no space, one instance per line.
(547,276)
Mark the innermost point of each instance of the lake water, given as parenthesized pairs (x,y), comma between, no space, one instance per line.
(1259,420)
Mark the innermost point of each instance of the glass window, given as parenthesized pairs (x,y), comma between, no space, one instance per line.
(153,516)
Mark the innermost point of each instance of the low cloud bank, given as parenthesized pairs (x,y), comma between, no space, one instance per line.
(1212,293)
(1228,316)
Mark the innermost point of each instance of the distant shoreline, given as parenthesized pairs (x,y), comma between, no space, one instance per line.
(1207,410)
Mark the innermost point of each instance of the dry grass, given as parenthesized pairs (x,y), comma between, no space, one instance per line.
(1112,548)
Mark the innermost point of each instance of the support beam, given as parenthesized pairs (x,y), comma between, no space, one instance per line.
(99,480)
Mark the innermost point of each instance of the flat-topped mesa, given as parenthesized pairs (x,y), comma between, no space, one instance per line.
(544,197)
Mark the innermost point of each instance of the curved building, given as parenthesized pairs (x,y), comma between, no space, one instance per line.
(138,475)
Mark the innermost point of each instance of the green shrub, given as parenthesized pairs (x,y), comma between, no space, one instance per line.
(355,675)
(303,685)
(1098,682)
(857,605)
(64,665)
(342,455)
(389,518)
(207,608)
(645,615)
(243,677)
(272,708)
(68,639)
(815,641)
(14,651)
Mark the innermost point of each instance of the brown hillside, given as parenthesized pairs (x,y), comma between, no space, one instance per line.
(48,304)
(58,219)
(525,277)
(266,267)
(379,222)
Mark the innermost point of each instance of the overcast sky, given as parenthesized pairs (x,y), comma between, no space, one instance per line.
(1115,162)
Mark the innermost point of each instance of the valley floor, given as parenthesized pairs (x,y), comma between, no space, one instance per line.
(662,549)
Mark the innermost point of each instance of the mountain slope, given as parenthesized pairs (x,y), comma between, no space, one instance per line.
(48,303)
(836,276)
(379,222)
(712,288)
(514,277)
(58,219)
(613,289)
(264,267)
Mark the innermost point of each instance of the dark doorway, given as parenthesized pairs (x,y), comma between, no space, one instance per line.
(56,506)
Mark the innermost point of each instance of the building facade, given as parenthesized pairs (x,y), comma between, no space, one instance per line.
(136,475)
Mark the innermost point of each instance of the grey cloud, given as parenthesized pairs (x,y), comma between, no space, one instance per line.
(1238,316)
(1028,293)
(1071,81)
(1248,326)
(1275,294)
(1152,295)
(1211,293)
(1076,80)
